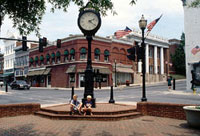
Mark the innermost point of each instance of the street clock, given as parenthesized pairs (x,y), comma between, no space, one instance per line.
(89,22)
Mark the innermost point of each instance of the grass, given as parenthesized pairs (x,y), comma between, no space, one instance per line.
(178,76)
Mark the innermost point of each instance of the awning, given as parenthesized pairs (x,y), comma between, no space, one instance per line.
(39,72)
(124,70)
(8,74)
(102,70)
(83,51)
(41,58)
(36,58)
(72,51)
(31,60)
(66,52)
(47,71)
(71,69)
(58,54)
(53,55)
(97,51)
(106,53)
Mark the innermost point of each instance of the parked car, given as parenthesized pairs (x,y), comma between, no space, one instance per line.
(1,83)
(20,84)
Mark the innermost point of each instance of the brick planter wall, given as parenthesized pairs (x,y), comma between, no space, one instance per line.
(8,110)
(168,110)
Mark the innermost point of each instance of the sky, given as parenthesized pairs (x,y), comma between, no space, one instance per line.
(61,24)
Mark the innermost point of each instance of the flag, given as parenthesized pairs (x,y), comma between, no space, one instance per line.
(195,50)
(152,24)
(121,33)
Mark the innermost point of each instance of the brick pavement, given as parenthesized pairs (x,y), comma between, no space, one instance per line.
(100,107)
(31,125)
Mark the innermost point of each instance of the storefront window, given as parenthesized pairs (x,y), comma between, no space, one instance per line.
(72,77)
(48,58)
(53,58)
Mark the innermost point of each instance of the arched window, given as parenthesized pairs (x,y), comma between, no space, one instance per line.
(72,54)
(83,53)
(106,55)
(97,54)
(48,58)
(53,58)
(58,57)
(31,61)
(36,60)
(66,55)
(42,59)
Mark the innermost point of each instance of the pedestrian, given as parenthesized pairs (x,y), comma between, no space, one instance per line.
(169,81)
(75,105)
(88,106)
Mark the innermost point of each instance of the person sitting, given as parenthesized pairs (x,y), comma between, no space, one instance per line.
(75,105)
(88,106)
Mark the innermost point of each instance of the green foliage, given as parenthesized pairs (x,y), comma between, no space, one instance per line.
(178,59)
(195,4)
(197,107)
(27,14)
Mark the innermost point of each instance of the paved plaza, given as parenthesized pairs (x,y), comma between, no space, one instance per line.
(31,125)
(129,95)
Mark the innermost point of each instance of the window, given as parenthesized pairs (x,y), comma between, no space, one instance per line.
(58,57)
(41,59)
(97,54)
(150,69)
(106,55)
(53,58)
(83,53)
(66,54)
(72,77)
(158,69)
(36,60)
(48,58)
(72,54)
(151,52)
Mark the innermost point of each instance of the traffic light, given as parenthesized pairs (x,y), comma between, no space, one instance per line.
(40,45)
(24,43)
(44,41)
(59,43)
(132,53)
(139,51)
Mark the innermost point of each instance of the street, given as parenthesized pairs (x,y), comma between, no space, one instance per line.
(128,95)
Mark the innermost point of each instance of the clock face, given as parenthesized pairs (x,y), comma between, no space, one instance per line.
(89,21)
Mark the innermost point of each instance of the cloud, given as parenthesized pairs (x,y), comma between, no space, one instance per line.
(60,24)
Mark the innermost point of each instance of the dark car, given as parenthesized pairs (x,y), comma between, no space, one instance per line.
(19,84)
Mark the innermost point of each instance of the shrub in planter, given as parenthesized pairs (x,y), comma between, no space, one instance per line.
(127,83)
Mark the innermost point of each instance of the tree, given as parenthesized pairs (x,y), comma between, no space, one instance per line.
(195,4)
(27,14)
(178,59)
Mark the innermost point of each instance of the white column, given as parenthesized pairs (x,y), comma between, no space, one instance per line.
(161,61)
(147,58)
(140,66)
(155,60)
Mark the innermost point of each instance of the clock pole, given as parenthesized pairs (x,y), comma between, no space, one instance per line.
(89,75)
(89,22)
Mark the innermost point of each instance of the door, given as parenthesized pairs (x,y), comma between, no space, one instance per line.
(49,81)
(81,80)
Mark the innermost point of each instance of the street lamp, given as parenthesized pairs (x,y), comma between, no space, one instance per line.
(115,73)
(142,25)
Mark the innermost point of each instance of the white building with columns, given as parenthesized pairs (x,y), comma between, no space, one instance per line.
(157,57)
(192,42)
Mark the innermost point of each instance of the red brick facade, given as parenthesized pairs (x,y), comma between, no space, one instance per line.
(18,109)
(61,75)
(168,110)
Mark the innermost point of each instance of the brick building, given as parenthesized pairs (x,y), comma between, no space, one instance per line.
(1,66)
(65,66)
(173,45)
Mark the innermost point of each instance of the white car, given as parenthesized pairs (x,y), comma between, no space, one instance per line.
(1,83)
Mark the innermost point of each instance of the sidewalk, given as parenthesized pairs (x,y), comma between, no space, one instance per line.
(107,88)
(31,125)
